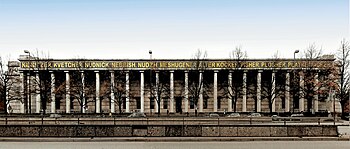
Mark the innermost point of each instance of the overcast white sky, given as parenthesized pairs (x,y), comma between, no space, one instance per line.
(120,29)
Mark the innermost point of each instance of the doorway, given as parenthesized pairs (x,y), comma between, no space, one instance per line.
(178,101)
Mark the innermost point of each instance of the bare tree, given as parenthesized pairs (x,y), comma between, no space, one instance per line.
(159,88)
(42,83)
(234,88)
(311,54)
(270,87)
(196,83)
(119,90)
(8,91)
(343,74)
(81,87)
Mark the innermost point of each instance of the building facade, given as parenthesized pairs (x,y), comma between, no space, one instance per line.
(172,86)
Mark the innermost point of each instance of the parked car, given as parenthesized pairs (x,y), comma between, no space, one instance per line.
(275,118)
(214,115)
(234,115)
(137,114)
(254,115)
(297,115)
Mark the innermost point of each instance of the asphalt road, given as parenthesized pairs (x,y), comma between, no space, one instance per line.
(179,145)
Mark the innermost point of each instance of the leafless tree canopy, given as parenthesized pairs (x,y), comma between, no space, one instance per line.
(196,84)
(272,84)
(238,54)
(233,89)
(159,87)
(343,54)
(8,89)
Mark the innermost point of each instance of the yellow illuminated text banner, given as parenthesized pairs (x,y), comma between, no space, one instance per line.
(176,64)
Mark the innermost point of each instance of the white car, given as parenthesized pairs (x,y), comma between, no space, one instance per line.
(275,117)
(137,114)
(214,115)
(234,115)
(254,115)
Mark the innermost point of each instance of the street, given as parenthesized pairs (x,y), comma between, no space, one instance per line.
(179,145)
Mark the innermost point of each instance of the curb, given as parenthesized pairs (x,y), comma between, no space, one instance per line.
(171,139)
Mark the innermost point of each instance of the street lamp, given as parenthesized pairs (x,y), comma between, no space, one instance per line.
(296,51)
(150,79)
(150,54)
(29,94)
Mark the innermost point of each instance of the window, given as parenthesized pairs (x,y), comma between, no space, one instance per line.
(71,103)
(58,102)
(219,103)
(296,102)
(191,103)
(138,103)
(124,102)
(205,103)
(165,103)
(110,104)
(151,100)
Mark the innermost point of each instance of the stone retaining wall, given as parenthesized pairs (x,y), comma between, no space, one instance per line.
(167,131)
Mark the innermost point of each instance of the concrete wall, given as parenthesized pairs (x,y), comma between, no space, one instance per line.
(166,131)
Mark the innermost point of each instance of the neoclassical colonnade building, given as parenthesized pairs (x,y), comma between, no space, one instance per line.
(180,85)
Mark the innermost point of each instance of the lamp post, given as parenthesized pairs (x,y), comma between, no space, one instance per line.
(150,81)
(150,54)
(29,92)
(295,52)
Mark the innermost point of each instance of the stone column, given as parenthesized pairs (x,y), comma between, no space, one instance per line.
(287,96)
(127,102)
(201,91)
(29,94)
(301,92)
(37,93)
(67,92)
(215,91)
(244,100)
(316,93)
(83,91)
(258,92)
(53,94)
(230,92)
(142,91)
(98,101)
(171,110)
(186,91)
(112,92)
(273,91)
(22,103)
(156,93)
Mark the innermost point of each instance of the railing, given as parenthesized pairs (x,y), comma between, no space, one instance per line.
(169,121)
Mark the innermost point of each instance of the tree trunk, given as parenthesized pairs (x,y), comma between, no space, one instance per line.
(158,108)
(235,106)
(120,107)
(343,104)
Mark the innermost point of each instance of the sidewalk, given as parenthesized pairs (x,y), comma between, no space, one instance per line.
(171,139)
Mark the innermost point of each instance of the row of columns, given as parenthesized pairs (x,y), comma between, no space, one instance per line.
(171,109)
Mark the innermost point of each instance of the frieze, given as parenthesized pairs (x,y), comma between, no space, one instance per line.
(162,64)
